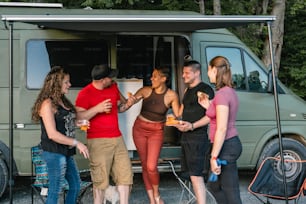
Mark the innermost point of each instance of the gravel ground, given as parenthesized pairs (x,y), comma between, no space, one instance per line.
(169,188)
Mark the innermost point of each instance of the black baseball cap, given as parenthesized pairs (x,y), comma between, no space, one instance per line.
(102,71)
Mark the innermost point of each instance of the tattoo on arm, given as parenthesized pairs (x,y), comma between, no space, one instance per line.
(122,107)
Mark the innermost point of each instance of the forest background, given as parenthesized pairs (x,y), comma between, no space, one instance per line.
(289,30)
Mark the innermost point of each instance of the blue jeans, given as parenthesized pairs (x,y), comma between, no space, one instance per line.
(226,189)
(61,167)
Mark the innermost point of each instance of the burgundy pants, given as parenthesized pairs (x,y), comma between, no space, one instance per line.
(148,139)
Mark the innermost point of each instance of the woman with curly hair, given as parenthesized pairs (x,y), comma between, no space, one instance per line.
(56,115)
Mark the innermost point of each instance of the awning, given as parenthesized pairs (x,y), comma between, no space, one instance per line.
(136,23)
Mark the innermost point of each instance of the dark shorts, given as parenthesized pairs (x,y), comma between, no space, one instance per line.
(194,149)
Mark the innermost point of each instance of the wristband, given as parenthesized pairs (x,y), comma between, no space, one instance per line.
(75,143)
(192,127)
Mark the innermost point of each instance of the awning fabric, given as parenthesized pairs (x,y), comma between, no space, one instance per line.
(131,22)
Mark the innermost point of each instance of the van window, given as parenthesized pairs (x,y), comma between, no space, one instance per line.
(77,57)
(135,59)
(137,55)
(256,77)
(234,57)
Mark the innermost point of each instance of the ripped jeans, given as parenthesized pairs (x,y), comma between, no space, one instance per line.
(61,167)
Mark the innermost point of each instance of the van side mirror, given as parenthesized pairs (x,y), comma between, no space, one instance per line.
(270,82)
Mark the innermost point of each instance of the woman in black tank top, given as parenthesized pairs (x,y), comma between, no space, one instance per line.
(57,117)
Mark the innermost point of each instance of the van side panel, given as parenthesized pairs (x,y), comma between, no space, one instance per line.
(256,117)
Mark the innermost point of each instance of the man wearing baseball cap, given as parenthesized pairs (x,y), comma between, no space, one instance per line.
(99,102)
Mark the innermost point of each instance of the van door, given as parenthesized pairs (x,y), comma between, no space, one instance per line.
(256,114)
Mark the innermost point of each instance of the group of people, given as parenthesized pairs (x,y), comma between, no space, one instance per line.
(99,103)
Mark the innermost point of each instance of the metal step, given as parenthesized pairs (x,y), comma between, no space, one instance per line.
(163,165)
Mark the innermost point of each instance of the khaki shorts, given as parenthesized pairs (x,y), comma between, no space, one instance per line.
(109,157)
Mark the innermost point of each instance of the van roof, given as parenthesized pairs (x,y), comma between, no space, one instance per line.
(125,20)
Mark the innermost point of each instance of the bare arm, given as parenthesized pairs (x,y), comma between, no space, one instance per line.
(202,122)
(222,120)
(181,110)
(185,126)
(87,114)
(174,103)
(125,104)
(142,93)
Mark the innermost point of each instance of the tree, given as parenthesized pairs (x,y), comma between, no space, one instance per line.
(202,6)
(217,7)
(293,64)
(278,9)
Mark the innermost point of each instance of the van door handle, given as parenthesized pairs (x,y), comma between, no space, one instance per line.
(19,125)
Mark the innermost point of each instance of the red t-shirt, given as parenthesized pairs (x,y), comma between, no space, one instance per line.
(102,125)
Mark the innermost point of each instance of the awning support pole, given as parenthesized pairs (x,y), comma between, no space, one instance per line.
(277,111)
(11,113)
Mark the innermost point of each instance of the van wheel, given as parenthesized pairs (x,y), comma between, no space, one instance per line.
(3,176)
(292,150)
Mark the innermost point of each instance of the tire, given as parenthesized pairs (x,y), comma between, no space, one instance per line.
(3,176)
(292,150)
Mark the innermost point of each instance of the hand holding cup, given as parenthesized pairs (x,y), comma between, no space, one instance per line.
(83,124)
(107,106)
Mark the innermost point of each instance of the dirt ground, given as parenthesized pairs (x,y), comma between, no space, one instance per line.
(169,188)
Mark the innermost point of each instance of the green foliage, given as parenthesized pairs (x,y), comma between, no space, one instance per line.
(107,4)
(188,5)
(182,5)
(238,7)
(293,64)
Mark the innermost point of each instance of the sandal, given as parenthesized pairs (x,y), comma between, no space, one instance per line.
(158,200)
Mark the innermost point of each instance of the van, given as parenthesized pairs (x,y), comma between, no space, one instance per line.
(134,42)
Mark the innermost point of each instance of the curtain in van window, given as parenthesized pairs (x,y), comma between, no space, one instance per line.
(135,57)
(77,56)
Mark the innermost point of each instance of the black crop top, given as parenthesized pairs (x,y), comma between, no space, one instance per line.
(154,108)
(65,124)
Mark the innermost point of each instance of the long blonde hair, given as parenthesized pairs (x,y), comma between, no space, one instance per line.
(52,89)
(224,74)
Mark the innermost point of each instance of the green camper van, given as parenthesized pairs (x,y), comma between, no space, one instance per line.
(32,39)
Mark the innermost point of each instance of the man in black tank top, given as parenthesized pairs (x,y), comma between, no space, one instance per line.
(194,140)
